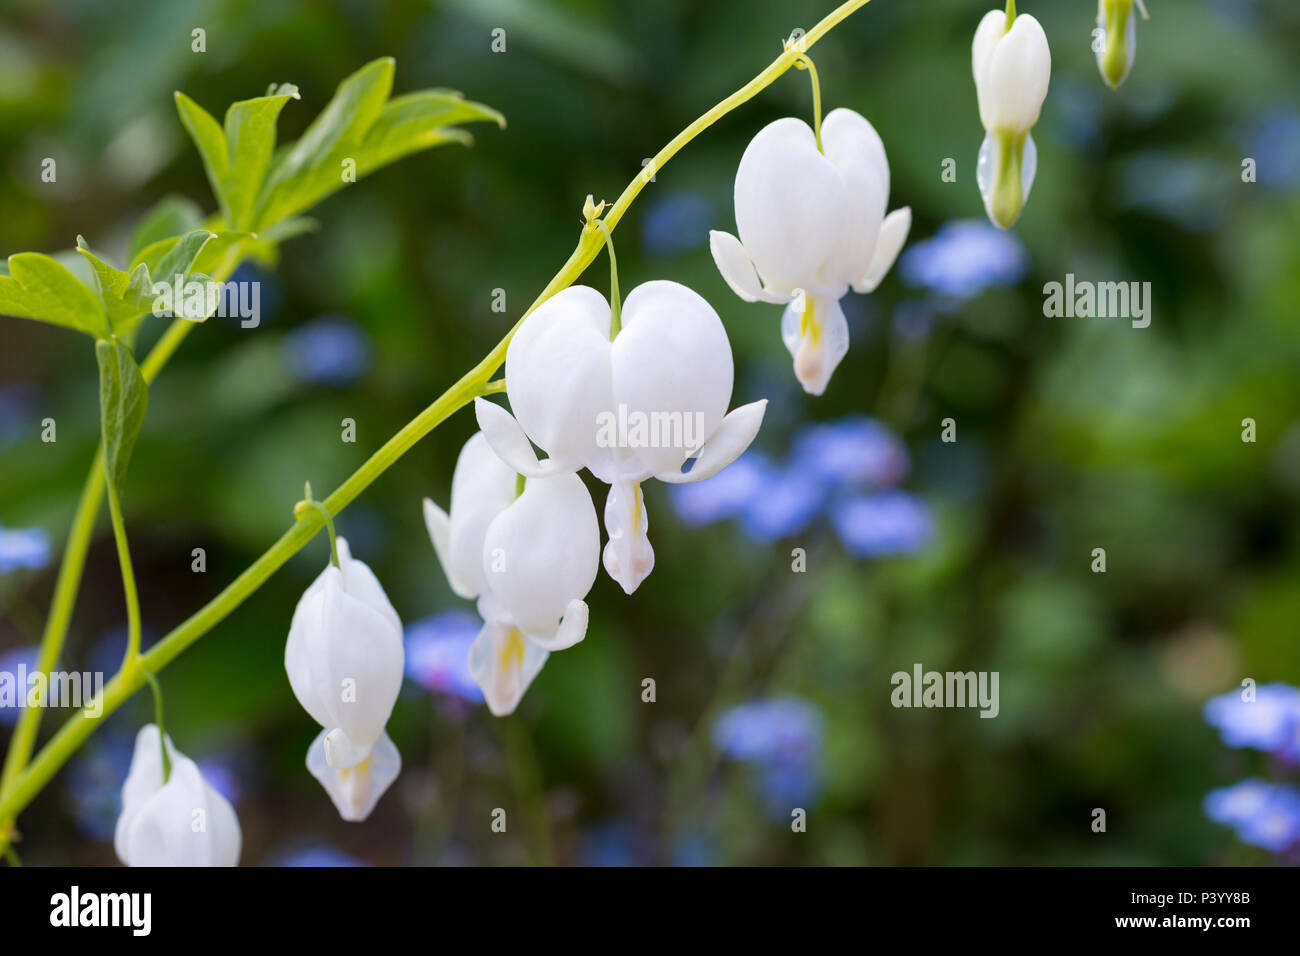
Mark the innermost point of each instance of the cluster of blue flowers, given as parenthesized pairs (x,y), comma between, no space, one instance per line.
(845,469)
(781,739)
(1263,813)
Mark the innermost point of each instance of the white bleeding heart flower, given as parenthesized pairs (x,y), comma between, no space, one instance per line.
(812,224)
(180,822)
(344,658)
(356,790)
(529,558)
(1116,43)
(1012,66)
(636,406)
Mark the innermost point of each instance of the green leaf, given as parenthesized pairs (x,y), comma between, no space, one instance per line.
(311,168)
(126,297)
(35,286)
(211,142)
(250,143)
(179,259)
(123,398)
(417,121)
(172,216)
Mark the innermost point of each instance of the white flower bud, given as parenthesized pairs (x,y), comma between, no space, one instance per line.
(182,822)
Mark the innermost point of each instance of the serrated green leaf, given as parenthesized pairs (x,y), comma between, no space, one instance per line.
(171,216)
(123,399)
(250,143)
(38,287)
(211,142)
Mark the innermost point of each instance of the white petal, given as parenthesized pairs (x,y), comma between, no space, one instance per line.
(817,341)
(543,552)
(892,236)
(439,525)
(357,665)
(628,557)
(482,486)
(509,443)
(503,663)
(726,444)
(991,29)
(300,662)
(572,629)
(557,375)
(143,780)
(672,375)
(737,269)
(183,823)
(1016,77)
(790,205)
(360,582)
(854,148)
(355,791)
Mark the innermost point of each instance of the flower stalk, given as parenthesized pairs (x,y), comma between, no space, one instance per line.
(22,781)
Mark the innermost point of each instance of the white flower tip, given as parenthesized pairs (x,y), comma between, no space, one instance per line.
(572,629)
(341,752)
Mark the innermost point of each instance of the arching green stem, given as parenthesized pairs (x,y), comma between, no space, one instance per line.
(615,300)
(162,727)
(805,63)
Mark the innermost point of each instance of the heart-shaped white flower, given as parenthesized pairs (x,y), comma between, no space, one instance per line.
(633,407)
(344,658)
(812,224)
(182,822)
(529,558)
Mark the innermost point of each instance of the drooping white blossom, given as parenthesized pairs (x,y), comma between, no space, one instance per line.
(529,558)
(1012,66)
(627,408)
(344,658)
(812,225)
(1116,44)
(180,822)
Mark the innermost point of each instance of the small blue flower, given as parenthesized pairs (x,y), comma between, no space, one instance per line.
(781,738)
(724,495)
(19,661)
(677,224)
(17,411)
(890,523)
(23,548)
(1263,814)
(769,731)
(1274,144)
(1271,722)
(94,785)
(852,453)
(437,654)
(788,501)
(964,258)
(327,351)
(315,856)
